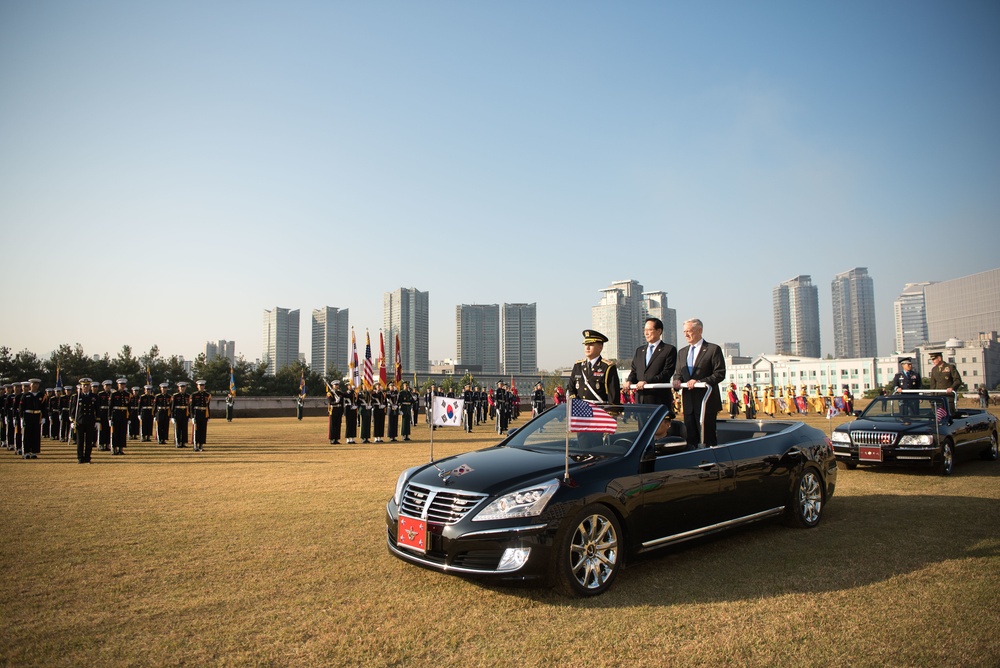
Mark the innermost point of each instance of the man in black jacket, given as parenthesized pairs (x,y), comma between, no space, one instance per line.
(653,363)
(700,361)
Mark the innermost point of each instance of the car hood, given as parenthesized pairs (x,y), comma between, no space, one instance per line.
(499,469)
(898,425)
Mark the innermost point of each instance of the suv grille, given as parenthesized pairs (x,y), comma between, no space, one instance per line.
(436,504)
(873,437)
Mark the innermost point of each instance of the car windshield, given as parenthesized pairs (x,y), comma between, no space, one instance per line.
(908,408)
(622,425)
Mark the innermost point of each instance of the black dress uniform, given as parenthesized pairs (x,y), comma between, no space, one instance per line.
(594,380)
(335,409)
(84,411)
(392,412)
(378,415)
(180,413)
(3,415)
(161,411)
(201,401)
(468,408)
(350,415)
(146,400)
(365,411)
(119,409)
(538,400)
(104,416)
(133,413)
(230,404)
(65,403)
(501,404)
(54,423)
(906,379)
(407,402)
(31,421)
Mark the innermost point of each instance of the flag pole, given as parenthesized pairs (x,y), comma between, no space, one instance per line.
(569,403)
(430,426)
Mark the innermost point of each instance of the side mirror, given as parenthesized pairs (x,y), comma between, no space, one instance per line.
(857,413)
(511,432)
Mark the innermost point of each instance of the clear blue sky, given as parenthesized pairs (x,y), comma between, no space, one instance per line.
(168,170)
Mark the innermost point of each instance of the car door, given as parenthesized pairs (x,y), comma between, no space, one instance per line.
(762,472)
(682,492)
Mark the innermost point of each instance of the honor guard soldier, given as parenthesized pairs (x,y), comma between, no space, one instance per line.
(146,413)
(501,407)
(593,378)
(230,405)
(180,413)
(31,419)
(133,413)
(364,401)
(378,414)
(300,404)
(200,403)
(120,407)
(407,401)
(468,407)
(104,415)
(53,408)
(350,415)
(335,411)
(392,412)
(65,401)
(945,376)
(15,413)
(537,400)
(84,421)
(3,415)
(161,413)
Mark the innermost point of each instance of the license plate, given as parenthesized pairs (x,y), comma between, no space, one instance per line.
(870,453)
(412,533)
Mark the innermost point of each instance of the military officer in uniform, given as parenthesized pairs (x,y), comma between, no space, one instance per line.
(593,378)
(335,409)
(538,400)
(146,408)
(378,414)
(200,403)
(392,412)
(230,405)
(65,403)
(907,378)
(84,421)
(365,411)
(945,376)
(31,420)
(350,415)
(468,407)
(104,416)
(119,408)
(180,412)
(407,401)
(134,422)
(161,411)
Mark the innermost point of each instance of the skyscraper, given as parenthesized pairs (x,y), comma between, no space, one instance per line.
(963,307)
(619,316)
(654,305)
(222,348)
(910,315)
(280,339)
(330,339)
(519,339)
(854,314)
(796,317)
(477,336)
(405,312)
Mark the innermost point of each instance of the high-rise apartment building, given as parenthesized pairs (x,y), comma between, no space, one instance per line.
(280,345)
(330,339)
(910,316)
(619,316)
(221,348)
(963,307)
(477,336)
(654,305)
(405,312)
(796,317)
(519,339)
(854,314)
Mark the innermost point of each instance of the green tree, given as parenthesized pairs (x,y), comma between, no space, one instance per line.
(126,366)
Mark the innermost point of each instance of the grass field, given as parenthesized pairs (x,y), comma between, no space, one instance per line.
(269,549)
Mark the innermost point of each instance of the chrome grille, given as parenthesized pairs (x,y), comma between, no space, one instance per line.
(437,504)
(873,437)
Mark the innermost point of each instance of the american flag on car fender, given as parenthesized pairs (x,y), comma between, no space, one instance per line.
(586,417)
(941,413)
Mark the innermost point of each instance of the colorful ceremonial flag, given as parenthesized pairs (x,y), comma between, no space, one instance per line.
(232,382)
(302,384)
(149,376)
(369,369)
(355,373)
(586,417)
(399,364)
(447,412)
(832,412)
(381,360)
(58,378)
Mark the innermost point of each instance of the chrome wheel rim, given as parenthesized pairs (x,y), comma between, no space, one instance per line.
(948,458)
(994,452)
(810,498)
(594,552)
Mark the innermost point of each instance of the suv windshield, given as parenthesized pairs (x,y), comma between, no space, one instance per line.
(906,408)
(547,432)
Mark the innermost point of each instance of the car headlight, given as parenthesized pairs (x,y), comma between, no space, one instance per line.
(401,483)
(912,439)
(841,437)
(526,502)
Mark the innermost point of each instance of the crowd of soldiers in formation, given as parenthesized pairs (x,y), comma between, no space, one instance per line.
(106,417)
(372,415)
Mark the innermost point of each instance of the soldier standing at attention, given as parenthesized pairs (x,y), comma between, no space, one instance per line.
(133,413)
(945,376)
(119,404)
(378,414)
(84,411)
(180,412)
(300,404)
(538,400)
(501,402)
(335,409)
(593,378)
(392,406)
(65,402)
(907,378)
(31,418)
(3,415)
(468,407)
(200,403)
(230,403)
(53,407)
(161,408)
(104,416)
(407,400)
(350,415)
(365,410)
(146,413)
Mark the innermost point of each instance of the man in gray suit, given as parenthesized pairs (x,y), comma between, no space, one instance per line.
(653,363)
(700,361)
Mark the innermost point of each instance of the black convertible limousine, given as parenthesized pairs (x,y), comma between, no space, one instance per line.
(572,506)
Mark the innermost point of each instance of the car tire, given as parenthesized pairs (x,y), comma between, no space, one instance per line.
(991,453)
(805,507)
(588,555)
(850,466)
(947,463)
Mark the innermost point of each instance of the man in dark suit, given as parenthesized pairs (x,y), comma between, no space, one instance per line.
(700,361)
(653,363)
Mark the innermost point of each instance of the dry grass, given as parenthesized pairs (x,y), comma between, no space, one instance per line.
(269,549)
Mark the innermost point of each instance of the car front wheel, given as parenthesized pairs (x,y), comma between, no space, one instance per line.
(588,556)
(947,463)
(991,453)
(806,507)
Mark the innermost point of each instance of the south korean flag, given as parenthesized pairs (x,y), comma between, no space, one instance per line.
(447,412)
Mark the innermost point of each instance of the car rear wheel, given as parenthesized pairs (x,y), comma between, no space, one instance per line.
(806,506)
(991,453)
(588,556)
(947,463)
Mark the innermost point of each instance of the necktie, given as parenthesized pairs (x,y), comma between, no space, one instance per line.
(691,360)
(649,353)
